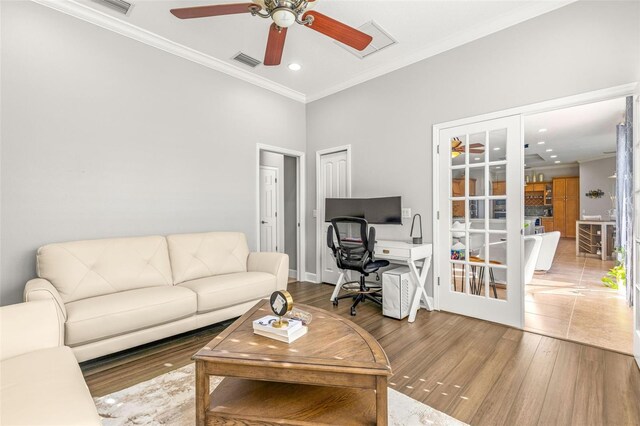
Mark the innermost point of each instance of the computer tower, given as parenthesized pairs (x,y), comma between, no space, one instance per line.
(397,291)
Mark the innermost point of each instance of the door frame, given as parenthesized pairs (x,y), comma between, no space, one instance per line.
(319,211)
(636,255)
(279,220)
(300,198)
(549,105)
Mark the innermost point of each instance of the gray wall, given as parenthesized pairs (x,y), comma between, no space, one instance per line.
(388,120)
(290,211)
(595,175)
(104,136)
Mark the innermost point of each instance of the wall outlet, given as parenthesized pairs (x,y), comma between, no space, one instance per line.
(406,213)
(315,213)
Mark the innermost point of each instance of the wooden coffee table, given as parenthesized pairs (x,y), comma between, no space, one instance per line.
(335,374)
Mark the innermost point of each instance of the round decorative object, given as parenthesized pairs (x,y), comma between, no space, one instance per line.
(281,303)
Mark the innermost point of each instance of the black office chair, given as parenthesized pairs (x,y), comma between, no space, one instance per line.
(355,252)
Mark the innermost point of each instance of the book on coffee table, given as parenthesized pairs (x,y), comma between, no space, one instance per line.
(265,324)
(284,338)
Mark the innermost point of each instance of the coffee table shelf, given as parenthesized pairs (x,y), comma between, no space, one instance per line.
(247,401)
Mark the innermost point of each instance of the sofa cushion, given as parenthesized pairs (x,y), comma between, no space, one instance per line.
(222,291)
(45,387)
(83,269)
(207,254)
(119,313)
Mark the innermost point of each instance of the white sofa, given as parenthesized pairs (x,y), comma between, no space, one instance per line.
(40,380)
(114,294)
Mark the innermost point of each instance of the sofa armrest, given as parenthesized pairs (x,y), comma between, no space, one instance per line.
(272,263)
(28,327)
(40,289)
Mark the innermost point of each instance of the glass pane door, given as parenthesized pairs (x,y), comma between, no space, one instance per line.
(480,241)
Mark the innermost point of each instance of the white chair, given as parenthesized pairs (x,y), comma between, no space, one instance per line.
(547,250)
(497,251)
(532,244)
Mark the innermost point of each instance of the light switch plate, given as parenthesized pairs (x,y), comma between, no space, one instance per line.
(315,213)
(406,213)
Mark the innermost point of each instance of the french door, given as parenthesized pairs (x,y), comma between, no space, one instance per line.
(480,222)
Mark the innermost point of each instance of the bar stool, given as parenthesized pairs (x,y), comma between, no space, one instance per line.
(476,287)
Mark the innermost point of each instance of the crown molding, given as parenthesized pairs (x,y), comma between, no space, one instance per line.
(77,10)
(596,158)
(460,38)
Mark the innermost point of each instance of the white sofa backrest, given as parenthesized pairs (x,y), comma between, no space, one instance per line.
(83,269)
(206,254)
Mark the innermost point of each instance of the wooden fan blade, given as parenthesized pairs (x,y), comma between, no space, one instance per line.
(338,31)
(476,151)
(455,142)
(213,10)
(275,45)
(476,145)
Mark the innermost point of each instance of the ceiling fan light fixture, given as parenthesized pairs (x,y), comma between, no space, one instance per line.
(283,17)
(295,67)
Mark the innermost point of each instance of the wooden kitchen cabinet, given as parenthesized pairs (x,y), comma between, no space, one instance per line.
(457,190)
(547,222)
(499,188)
(566,205)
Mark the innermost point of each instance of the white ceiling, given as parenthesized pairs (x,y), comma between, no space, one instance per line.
(422,29)
(575,134)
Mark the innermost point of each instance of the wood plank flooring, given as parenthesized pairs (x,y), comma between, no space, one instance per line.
(478,372)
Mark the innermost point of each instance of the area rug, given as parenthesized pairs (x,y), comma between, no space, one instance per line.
(169,399)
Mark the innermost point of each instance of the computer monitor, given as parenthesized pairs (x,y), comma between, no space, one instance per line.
(377,211)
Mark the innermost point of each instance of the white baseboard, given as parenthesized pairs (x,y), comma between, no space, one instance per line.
(310,277)
(293,273)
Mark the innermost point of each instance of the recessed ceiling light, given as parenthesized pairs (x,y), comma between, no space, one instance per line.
(497,167)
(541,143)
(557,161)
(542,130)
(295,67)
(477,159)
(554,156)
(497,148)
(549,149)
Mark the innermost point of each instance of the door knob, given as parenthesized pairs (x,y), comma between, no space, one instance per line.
(262,222)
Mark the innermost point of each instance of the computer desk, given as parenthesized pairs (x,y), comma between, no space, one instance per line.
(403,253)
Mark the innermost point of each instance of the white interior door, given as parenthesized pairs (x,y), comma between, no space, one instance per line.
(479,251)
(268,208)
(334,183)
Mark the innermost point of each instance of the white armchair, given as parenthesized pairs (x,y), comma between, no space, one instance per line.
(41,381)
(547,250)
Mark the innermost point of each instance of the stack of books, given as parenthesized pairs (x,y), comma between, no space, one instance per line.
(288,334)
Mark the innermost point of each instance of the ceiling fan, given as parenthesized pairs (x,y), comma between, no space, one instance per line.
(284,13)
(457,148)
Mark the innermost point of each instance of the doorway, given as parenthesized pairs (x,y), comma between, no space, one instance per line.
(280,205)
(571,182)
(333,180)
(447,234)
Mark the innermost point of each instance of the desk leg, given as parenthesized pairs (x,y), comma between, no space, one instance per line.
(336,290)
(202,394)
(420,279)
(382,414)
